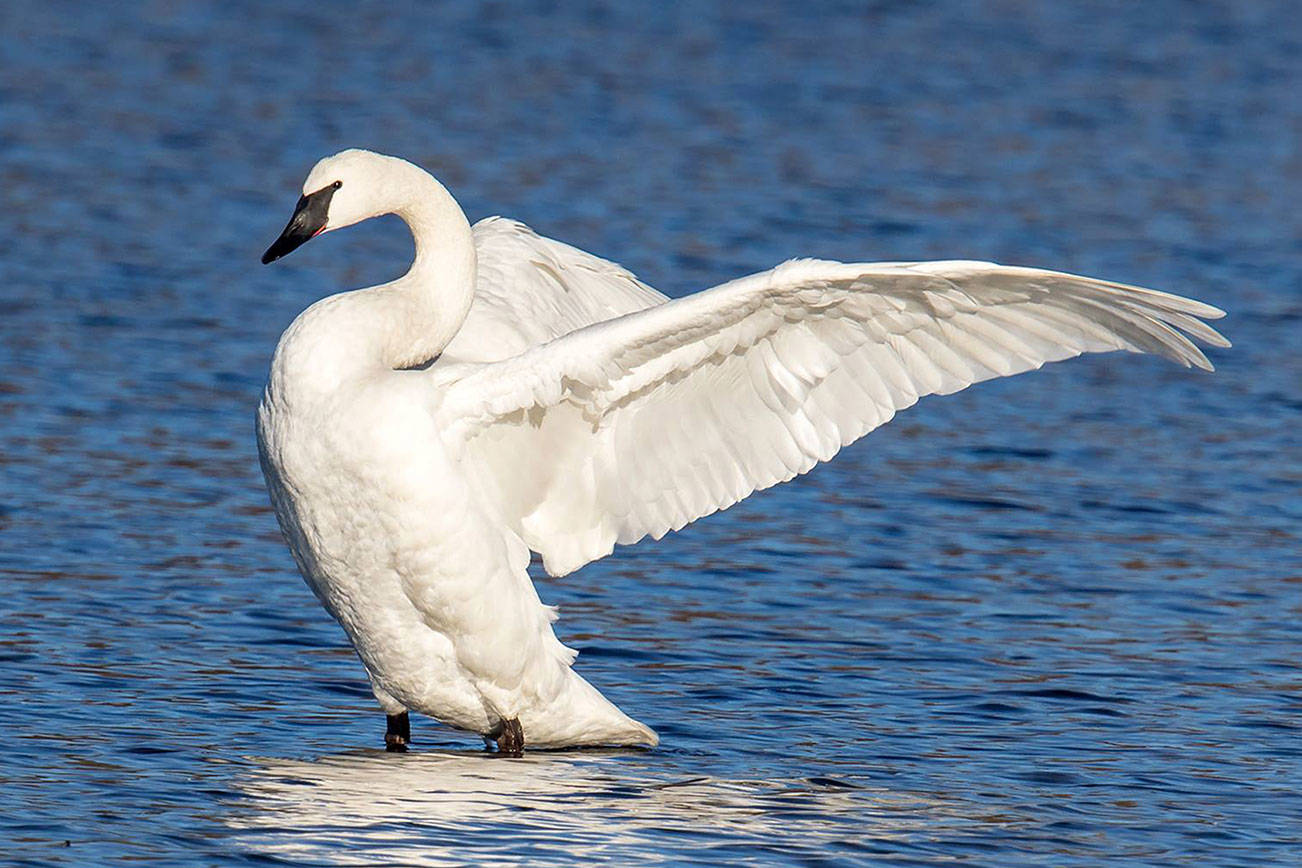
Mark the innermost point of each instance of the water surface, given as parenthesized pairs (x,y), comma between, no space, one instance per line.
(1050,620)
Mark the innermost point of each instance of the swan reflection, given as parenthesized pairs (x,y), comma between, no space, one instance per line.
(442,808)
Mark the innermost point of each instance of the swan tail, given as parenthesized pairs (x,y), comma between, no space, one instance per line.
(582,717)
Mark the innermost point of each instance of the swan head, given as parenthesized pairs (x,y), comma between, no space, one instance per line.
(341,190)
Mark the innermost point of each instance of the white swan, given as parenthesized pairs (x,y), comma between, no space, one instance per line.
(512,393)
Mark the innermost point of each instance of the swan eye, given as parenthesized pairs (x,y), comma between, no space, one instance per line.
(337,184)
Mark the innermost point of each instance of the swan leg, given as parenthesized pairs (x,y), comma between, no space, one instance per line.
(510,740)
(398,733)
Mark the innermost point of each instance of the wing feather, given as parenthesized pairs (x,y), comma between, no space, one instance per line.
(532,289)
(639,424)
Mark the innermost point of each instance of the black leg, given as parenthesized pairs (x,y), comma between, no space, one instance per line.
(398,733)
(510,741)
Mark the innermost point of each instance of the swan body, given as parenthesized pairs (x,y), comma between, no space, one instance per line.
(511,393)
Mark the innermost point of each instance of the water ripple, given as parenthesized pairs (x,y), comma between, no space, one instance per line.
(1053,619)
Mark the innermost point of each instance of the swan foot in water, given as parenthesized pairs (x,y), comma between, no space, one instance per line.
(510,740)
(398,733)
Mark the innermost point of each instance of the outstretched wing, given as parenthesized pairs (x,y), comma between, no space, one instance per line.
(638,425)
(531,290)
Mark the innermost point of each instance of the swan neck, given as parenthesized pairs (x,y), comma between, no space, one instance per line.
(430,302)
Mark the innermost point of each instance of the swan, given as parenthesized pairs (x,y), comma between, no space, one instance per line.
(511,393)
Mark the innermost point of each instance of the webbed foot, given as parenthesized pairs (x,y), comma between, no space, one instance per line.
(398,733)
(510,741)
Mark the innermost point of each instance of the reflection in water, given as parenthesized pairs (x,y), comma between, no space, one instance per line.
(428,808)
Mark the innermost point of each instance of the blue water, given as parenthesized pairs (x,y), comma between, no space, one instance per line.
(1051,620)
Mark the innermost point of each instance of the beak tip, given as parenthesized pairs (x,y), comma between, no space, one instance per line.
(310,217)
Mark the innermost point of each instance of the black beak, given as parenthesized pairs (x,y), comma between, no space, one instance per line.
(309,219)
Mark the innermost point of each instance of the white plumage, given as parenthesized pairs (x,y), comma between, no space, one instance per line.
(569,407)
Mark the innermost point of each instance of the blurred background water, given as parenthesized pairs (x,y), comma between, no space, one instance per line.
(1053,619)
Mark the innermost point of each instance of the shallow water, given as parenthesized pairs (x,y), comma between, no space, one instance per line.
(1053,619)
